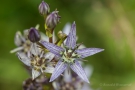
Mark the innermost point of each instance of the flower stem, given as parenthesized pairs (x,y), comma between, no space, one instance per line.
(51,39)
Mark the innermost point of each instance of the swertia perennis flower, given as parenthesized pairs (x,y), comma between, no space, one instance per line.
(44,53)
(70,55)
(38,61)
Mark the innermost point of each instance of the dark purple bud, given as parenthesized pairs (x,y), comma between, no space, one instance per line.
(52,20)
(33,35)
(44,8)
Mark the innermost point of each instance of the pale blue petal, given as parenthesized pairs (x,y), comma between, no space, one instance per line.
(34,49)
(77,68)
(66,28)
(59,69)
(85,52)
(71,38)
(52,48)
(18,38)
(35,74)
(22,56)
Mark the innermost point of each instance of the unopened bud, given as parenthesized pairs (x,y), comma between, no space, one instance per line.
(61,35)
(44,8)
(52,20)
(33,35)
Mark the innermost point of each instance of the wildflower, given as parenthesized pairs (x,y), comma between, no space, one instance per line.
(52,20)
(22,42)
(70,55)
(44,8)
(34,35)
(38,61)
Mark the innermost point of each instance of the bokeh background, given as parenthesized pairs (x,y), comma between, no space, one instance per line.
(108,24)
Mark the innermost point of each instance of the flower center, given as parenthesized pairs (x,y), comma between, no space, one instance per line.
(38,63)
(69,56)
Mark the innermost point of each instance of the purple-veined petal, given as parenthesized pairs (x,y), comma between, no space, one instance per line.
(71,38)
(52,48)
(85,52)
(77,68)
(23,57)
(59,69)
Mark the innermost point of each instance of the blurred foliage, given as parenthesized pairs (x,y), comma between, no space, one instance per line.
(108,24)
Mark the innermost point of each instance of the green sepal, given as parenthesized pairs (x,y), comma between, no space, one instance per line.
(60,41)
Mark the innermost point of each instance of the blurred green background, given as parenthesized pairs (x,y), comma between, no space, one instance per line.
(108,24)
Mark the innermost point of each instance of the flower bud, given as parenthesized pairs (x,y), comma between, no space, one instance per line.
(52,20)
(33,35)
(44,8)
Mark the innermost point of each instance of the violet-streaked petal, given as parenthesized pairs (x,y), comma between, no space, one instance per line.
(59,69)
(35,74)
(85,52)
(24,58)
(71,38)
(52,48)
(77,68)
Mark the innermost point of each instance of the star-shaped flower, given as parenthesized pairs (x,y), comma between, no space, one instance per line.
(70,55)
(38,61)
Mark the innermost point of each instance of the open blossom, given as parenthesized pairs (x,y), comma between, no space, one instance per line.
(38,61)
(22,42)
(70,55)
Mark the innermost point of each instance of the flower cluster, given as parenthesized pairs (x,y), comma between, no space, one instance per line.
(52,63)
